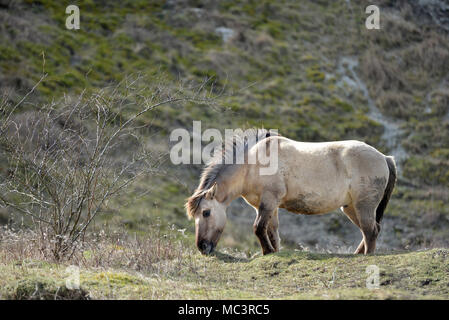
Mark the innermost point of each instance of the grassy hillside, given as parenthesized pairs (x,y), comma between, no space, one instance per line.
(307,68)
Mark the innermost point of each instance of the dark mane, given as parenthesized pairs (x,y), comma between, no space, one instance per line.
(241,142)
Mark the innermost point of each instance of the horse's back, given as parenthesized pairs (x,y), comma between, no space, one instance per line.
(345,159)
(319,176)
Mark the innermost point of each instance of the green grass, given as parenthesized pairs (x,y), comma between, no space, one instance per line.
(285,275)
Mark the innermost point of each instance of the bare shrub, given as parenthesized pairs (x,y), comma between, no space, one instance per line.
(395,103)
(67,159)
(400,30)
(431,55)
(382,74)
(440,101)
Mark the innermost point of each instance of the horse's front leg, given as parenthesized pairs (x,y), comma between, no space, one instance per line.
(267,209)
(273,231)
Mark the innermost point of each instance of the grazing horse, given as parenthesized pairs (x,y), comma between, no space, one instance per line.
(311,178)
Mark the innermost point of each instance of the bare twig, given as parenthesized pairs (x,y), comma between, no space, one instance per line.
(62,167)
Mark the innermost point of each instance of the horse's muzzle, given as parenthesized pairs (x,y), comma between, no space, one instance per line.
(206,247)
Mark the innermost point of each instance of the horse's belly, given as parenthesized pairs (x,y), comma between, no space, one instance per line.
(316,202)
(315,186)
(304,205)
(301,206)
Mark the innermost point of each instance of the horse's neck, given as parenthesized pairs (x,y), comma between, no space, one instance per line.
(233,184)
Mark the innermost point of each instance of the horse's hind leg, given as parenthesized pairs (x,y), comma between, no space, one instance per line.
(352,215)
(273,231)
(361,248)
(369,226)
(365,219)
(366,200)
(370,232)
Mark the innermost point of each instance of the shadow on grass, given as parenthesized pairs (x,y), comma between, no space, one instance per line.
(227,258)
(324,256)
(302,255)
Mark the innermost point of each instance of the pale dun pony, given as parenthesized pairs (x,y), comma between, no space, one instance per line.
(311,178)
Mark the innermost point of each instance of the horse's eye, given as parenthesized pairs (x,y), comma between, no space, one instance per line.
(206,213)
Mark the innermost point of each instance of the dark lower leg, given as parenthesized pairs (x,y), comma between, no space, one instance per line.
(273,235)
(361,248)
(261,231)
(370,246)
(265,242)
(273,231)
(369,238)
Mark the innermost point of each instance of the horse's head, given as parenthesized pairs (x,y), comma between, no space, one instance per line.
(210,219)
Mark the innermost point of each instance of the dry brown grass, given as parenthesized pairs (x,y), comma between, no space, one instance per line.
(431,55)
(382,74)
(155,253)
(396,103)
(440,101)
(397,30)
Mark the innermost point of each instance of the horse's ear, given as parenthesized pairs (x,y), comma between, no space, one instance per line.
(210,194)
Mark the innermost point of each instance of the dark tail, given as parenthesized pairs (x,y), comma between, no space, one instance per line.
(388,190)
